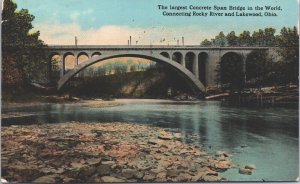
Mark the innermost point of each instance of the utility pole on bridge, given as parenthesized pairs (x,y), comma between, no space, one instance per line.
(76,41)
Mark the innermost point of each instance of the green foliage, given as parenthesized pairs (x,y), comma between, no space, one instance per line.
(21,45)
(289,51)
(269,37)
(258,38)
(220,40)
(206,43)
(232,40)
(261,37)
(259,68)
(232,71)
(245,39)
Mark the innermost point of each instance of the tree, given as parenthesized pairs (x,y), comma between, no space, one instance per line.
(258,38)
(259,68)
(245,39)
(206,43)
(21,46)
(232,40)
(269,36)
(289,51)
(220,40)
(231,71)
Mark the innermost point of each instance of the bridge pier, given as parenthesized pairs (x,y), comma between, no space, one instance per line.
(214,58)
(244,57)
(196,66)
(62,68)
(183,59)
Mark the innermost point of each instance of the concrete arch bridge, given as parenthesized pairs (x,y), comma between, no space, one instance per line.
(196,64)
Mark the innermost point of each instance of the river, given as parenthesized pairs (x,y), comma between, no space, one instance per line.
(265,137)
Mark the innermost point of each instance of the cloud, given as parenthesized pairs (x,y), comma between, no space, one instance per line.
(118,35)
(87,12)
(74,16)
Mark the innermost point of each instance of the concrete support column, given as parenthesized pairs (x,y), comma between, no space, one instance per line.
(62,65)
(183,59)
(89,55)
(214,57)
(244,56)
(196,67)
(76,60)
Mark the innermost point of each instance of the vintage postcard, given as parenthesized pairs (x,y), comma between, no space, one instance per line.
(101,91)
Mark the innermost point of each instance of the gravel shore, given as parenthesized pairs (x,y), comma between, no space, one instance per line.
(104,152)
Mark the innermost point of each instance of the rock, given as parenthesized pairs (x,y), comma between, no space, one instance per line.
(47,170)
(153,141)
(106,158)
(221,165)
(197,177)
(138,175)
(45,179)
(177,136)
(68,180)
(124,150)
(184,151)
(211,178)
(93,161)
(111,179)
(245,171)
(210,172)
(103,170)
(165,135)
(222,154)
(172,173)
(128,173)
(108,162)
(59,171)
(250,166)
(77,165)
(184,177)
(194,167)
(161,177)
(164,163)
(87,171)
(97,132)
(149,177)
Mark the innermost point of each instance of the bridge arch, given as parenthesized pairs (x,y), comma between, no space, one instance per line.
(165,54)
(202,67)
(55,66)
(69,61)
(196,85)
(232,68)
(94,54)
(178,57)
(82,54)
(190,61)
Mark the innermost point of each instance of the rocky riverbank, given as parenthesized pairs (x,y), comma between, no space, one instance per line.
(104,152)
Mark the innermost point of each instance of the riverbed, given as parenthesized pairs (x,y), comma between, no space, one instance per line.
(265,137)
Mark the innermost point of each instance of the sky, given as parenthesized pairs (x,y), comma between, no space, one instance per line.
(111,22)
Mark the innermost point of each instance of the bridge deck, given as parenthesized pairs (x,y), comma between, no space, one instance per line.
(149,47)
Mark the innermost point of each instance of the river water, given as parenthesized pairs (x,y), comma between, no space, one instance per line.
(265,137)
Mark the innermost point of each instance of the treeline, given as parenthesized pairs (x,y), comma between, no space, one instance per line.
(288,37)
(261,67)
(23,53)
(118,67)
